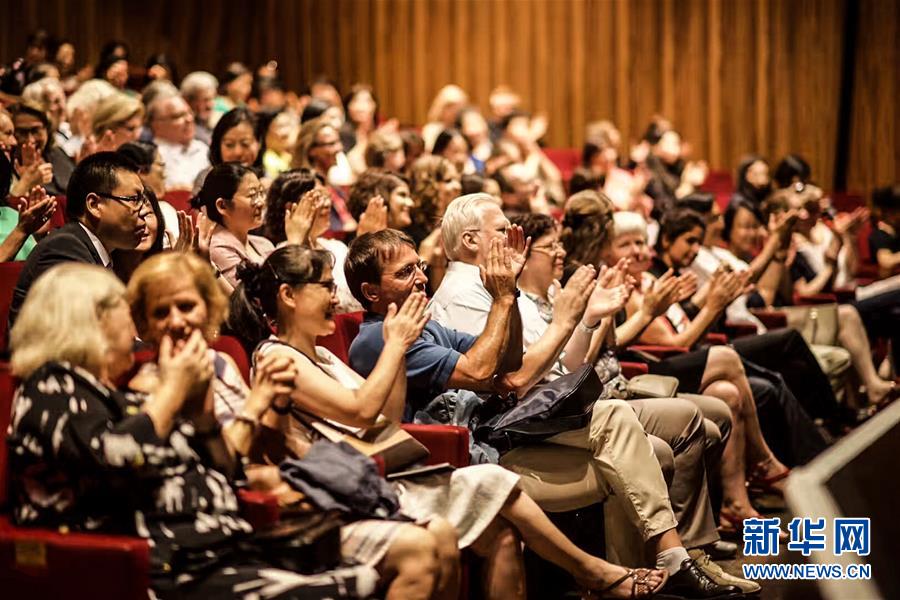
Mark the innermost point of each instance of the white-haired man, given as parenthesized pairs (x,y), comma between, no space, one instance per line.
(172,123)
(462,303)
(579,468)
(199,90)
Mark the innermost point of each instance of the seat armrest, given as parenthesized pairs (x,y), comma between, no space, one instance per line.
(447,443)
(738,329)
(260,509)
(772,319)
(716,339)
(844,294)
(810,299)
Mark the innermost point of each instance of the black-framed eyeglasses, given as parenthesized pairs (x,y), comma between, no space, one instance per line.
(409,270)
(329,285)
(135,203)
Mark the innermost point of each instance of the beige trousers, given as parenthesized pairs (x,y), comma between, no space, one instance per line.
(612,455)
(615,456)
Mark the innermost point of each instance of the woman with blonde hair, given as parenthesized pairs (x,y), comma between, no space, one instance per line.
(445,107)
(117,120)
(128,463)
(318,148)
(80,109)
(434,183)
(175,296)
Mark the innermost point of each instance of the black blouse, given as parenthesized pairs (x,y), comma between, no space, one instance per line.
(86,457)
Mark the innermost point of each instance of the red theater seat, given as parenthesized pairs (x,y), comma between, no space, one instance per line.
(179,199)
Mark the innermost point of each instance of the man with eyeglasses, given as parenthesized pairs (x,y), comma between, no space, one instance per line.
(172,123)
(474,342)
(106,207)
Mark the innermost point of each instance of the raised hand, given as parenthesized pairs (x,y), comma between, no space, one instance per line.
(517,248)
(695,173)
(661,295)
(187,364)
(782,224)
(724,289)
(498,273)
(31,169)
(570,302)
(203,237)
(404,325)
(300,216)
(35,211)
(687,286)
(186,234)
(88,147)
(605,302)
(374,218)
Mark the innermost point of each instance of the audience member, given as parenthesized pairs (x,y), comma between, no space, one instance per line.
(233,198)
(884,239)
(235,87)
(80,109)
(442,114)
(117,120)
(22,223)
(172,124)
(298,209)
(385,150)
(383,269)
(106,206)
(236,138)
(40,161)
(318,147)
(279,131)
(75,327)
(199,90)
(49,96)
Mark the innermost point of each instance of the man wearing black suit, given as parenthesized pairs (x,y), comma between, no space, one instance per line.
(106,206)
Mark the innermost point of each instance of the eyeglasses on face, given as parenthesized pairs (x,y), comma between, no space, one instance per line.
(135,203)
(550,248)
(329,285)
(410,270)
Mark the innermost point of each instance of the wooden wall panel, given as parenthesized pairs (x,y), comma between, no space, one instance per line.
(875,145)
(735,76)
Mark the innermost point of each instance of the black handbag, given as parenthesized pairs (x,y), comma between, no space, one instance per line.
(564,404)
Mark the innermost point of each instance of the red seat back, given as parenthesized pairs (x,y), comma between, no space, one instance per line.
(9,276)
(565,159)
(59,217)
(345,331)
(233,348)
(7,387)
(179,199)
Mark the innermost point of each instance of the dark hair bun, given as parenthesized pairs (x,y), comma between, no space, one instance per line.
(251,275)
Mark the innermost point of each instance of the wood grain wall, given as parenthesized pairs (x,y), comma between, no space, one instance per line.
(735,76)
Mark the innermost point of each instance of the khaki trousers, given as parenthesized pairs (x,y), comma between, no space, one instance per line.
(613,457)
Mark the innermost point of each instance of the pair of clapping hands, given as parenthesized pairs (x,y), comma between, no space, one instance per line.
(301,217)
(588,294)
(724,287)
(188,365)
